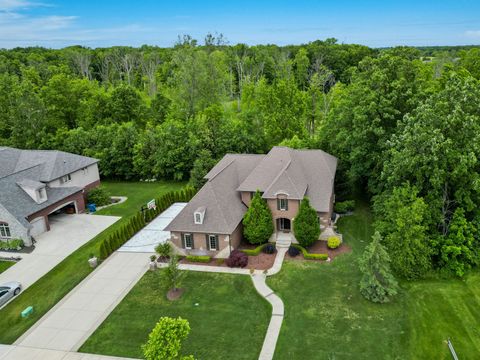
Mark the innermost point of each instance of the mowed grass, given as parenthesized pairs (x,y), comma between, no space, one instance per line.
(138,193)
(327,318)
(229,322)
(54,285)
(4,265)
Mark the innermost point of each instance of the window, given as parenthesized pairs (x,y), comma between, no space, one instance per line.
(282,204)
(85,170)
(252,194)
(212,242)
(65,179)
(198,218)
(188,241)
(5,230)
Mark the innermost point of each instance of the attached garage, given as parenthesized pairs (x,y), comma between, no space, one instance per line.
(39,226)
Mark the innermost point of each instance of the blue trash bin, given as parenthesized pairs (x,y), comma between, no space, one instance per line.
(92,208)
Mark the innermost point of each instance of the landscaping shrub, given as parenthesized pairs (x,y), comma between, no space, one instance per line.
(293,251)
(198,258)
(310,256)
(306,224)
(163,250)
(253,252)
(343,207)
(333,242)
(237,259)
(269,249)
(99,196)
(12,244)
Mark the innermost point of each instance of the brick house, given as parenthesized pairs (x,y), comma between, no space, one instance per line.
(211,223)
(37,183)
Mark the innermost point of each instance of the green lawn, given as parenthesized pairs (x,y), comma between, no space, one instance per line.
(52,287)
(230,321)
(4,265)
(327,318)
(138,193)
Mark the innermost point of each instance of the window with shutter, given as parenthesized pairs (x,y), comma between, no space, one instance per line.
(212,242)
(188,241)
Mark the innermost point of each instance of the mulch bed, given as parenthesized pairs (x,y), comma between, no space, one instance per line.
(260,262)
(173,295)
(320,247)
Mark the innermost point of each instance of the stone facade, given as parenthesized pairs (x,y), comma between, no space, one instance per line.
(17,230)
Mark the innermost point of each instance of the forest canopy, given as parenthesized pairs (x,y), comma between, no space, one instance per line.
(404,123)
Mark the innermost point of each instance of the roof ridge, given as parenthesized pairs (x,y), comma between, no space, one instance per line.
(212,188)
(20,171)
(227,165)
(278,175)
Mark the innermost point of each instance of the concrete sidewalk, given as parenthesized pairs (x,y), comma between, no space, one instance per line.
(67,234)
(69,323)
(12,352)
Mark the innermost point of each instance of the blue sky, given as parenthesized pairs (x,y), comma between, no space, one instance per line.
(58,23)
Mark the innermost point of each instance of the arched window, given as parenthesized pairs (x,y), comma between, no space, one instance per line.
(4,230)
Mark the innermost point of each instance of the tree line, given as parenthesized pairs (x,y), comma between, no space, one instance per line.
(404,123)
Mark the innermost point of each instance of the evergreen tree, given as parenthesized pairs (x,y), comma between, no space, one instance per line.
(257,221)
(306,224)
(377,283)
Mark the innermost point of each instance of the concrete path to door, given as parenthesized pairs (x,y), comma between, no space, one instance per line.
(67,234)
(69,323)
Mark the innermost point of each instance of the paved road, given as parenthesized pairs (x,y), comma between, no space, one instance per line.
(67,325)
(67,234)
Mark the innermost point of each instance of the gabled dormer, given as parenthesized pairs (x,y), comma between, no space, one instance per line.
(35,189)
(199,215)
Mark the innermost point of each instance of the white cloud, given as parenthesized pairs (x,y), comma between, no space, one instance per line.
(472,33)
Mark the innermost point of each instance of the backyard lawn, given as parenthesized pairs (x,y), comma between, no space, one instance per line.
(52,287)
(327,318)
(138,193)
(229,322)
(4,265)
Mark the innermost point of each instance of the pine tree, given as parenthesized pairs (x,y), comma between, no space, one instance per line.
(377,283)
(257,221)
(306,224)
(103,250)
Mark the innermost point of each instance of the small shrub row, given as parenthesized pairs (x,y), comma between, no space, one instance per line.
(139,220)
(198,258)
(99,196)
(343,207)
(237,259)
(333,242)
(310,256)
(13,244)
(254,252)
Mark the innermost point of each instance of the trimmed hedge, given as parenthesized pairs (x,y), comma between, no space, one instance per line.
(198,258)
(310,256)
(343,207)
(12,244)
(254,252)
(136,222)
(333,242)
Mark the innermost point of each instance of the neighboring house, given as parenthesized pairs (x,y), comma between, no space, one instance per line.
(211,223)
(37,183)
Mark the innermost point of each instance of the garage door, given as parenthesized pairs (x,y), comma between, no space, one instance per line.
(38,226)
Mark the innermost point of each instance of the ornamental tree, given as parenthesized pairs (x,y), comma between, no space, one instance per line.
(377,283)
(257,221)
(306,225)
(173,274)
(165,340)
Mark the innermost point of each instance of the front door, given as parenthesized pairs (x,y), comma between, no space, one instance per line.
(284,224)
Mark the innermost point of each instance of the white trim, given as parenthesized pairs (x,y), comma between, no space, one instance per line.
(210,236)
(185,241)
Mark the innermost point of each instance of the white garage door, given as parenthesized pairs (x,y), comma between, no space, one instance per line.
(38,226)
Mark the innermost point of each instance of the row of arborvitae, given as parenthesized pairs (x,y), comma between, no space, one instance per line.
(139,220)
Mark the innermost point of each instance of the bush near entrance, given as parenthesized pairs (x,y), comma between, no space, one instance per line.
(257,221)
(99,196)
(306,224)
(333,242)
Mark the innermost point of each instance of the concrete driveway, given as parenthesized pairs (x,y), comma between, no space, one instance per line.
(67,234)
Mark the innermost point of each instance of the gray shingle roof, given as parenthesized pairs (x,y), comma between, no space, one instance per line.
(223,205)
(30,169)
(297,173)
(19,203)
(55,163)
